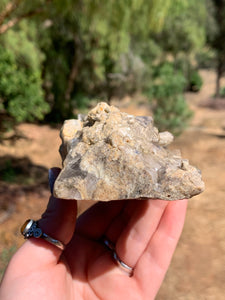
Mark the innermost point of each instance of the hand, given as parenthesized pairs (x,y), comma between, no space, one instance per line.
(145,234)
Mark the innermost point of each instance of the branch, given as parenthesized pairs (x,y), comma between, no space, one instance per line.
(10,7)
(13,22)
(77,59)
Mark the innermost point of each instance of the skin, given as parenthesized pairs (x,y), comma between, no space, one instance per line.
(145,235)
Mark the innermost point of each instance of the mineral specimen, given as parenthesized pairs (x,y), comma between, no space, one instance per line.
(111,155)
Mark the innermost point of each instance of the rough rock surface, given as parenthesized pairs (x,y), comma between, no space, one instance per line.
(110,155)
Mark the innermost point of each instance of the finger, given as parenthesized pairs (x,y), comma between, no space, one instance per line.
(94,222)
(122,219)
(59,218)
(137,233)
(153,264)
(58,222)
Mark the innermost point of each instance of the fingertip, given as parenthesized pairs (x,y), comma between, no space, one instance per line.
(181,204)
(52,175)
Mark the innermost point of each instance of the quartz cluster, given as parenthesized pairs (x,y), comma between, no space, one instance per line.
(110,155)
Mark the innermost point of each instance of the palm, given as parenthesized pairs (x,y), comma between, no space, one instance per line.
(137,230)
(141,231)
(98,278)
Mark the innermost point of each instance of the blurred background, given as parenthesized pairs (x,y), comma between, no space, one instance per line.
(164,58)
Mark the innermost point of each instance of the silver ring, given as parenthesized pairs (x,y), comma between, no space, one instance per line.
(122,265)
(111,247)
(31,229)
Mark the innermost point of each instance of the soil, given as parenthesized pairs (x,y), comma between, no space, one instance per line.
(197,270)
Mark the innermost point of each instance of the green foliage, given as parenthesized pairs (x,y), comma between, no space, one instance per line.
(216,10)
(21,171)
(206,58)
(21,91)
(8,173)
(94,36)
(82,101)
(172,114)
(168,81)
(170,109)
(195,81)
(184,28)
(73,51)
(222,92)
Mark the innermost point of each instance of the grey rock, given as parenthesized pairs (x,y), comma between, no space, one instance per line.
(111,155)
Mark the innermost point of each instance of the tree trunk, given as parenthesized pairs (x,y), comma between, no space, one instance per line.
(73,75)
(218,76)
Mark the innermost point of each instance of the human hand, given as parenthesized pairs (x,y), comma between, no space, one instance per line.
(145,234)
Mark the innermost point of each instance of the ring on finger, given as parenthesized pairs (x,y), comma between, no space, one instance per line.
(111,247)
(129,270)
(31,229)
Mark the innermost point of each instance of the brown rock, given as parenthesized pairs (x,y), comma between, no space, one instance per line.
(110,155)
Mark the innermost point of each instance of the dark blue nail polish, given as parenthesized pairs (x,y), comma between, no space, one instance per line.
(51,179)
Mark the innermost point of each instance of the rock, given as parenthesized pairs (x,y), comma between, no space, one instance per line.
(110,155)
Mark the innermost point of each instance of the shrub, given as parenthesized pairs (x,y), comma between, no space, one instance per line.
(206,58)
(21,94)
(193,79)
(170,109)
(195,82)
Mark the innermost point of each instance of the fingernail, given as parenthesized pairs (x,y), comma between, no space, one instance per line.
(52,175)
(51,180)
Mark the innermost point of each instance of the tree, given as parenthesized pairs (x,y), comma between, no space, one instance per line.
(96,48)
(216,8)
(86,41)
(21,94)
(184,29)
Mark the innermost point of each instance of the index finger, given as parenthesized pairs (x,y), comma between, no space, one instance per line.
(153,264)
(94,222)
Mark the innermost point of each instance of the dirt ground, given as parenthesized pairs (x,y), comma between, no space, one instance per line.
(197,270)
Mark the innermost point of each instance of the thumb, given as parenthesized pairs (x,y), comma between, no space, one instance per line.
(58,221)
